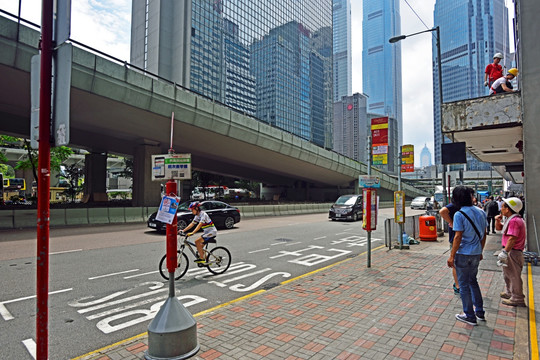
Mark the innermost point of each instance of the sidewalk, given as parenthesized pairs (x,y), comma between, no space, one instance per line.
(402,307)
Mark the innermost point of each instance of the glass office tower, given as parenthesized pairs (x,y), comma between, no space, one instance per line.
(342,49)
(381,61)
(272,60)
(471,33)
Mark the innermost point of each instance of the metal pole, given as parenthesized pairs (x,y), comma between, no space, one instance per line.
(400,235)
(172,233)
(439,71)
(369,231)
(44,181)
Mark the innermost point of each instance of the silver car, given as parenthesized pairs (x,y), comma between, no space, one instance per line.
(420,202)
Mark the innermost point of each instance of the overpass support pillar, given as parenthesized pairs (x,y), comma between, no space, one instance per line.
(95,177)
(145,191)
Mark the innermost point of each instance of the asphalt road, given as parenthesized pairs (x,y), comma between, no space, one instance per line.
(105,286)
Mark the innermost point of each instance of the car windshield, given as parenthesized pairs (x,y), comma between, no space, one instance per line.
(346,200)
(419,199)
(184,206)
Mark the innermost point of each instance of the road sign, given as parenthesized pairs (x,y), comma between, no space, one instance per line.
(171,167)
(34,100)
(62,90)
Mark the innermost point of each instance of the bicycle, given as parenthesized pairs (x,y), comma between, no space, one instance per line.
(218,259)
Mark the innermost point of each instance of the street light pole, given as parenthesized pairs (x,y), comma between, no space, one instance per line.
(439,71)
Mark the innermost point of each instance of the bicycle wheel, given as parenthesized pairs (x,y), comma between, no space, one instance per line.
(181,268)
(218,260)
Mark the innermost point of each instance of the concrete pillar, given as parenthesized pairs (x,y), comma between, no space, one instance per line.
(145,191)
(95,178)
(529,52)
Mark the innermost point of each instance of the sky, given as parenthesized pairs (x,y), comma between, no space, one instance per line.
(106,25)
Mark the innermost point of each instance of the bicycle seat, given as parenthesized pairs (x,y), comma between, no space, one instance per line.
(211,240)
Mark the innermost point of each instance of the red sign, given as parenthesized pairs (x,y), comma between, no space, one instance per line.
(369,219)
(379,131)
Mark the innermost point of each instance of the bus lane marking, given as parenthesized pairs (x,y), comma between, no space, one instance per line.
(7,315)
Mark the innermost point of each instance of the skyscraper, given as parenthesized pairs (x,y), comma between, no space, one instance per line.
(342,49)
(381,61)
(425,157)
(269,61)
(351,127)
(471,33)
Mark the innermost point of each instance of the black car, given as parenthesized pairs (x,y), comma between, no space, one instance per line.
(223,215)
(347,207)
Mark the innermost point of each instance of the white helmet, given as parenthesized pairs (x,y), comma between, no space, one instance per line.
(514,203)
(498,55)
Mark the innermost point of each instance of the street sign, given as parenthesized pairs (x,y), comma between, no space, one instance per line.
(407,158)
(399,207)
(369,181)
(34,100)
(171,167)
(62,21)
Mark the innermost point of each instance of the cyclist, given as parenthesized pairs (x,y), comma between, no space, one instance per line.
(201,220)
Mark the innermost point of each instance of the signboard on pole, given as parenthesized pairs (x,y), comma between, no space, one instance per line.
(369,181)
(399,207)
(369,219)
(379,135)
(171,167)
(407,158)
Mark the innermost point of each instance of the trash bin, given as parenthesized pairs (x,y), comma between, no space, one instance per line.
(428,228)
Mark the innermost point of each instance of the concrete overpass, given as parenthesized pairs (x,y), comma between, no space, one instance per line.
(116,108)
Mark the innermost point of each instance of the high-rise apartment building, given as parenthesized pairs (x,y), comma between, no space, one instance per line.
(471,33)
(351,127)
(381,61)
(342,49)
(269,60)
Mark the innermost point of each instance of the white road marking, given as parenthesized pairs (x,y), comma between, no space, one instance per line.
(294,243)
(116,302)
(64,252)
(223,283)
(30,345)
(5,313)
(112,274)
(320,238)
(256,251)
(143,274)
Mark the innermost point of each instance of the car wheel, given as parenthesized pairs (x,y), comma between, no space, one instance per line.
(355,217)
(229,222)
(182,224)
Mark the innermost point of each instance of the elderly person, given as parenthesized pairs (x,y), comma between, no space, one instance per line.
(469,241)
(513,242)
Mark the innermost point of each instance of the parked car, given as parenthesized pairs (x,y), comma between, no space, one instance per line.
(420,202)
(223,215)
(347,207)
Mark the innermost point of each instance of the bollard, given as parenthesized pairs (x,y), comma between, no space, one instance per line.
(172,334)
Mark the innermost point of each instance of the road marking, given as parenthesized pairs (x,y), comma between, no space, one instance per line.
(116,302)
(255,293)
(30,345)
(320,238)
(64,252)
(7,315)
(112,274)
(256,251)
(294,243)
(143,274)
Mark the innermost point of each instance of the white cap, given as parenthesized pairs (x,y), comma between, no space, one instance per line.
(514,203)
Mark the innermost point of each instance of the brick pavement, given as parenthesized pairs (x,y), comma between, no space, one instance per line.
(402,307)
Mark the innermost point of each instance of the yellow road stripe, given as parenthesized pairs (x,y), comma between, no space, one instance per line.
(532,317)
(221,305)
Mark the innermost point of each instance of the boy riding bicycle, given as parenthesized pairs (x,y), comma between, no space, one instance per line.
(201,220)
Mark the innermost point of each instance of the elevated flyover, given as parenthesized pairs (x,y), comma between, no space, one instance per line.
(116,108)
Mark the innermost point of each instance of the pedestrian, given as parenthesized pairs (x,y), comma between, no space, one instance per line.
(513,243)
(493,71)
(503,84)
(447,214)
(469,241)
(492,210)
(499,202)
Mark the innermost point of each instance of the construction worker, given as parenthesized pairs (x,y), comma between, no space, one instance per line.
(493,71)
(503,84)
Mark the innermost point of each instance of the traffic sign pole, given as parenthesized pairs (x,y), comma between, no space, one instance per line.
(44,181)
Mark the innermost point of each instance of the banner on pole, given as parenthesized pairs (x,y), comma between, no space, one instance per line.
(407,158)
(379,136)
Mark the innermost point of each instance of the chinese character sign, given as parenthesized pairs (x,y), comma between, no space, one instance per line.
(407,158)
(379,136)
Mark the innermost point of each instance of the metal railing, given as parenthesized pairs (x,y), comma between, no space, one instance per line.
(411,227)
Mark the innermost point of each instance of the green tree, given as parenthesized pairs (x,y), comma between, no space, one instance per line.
(72,174)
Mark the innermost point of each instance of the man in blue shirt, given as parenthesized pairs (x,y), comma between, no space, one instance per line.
(470,238)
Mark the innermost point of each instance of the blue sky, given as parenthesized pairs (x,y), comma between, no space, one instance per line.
(106,26)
